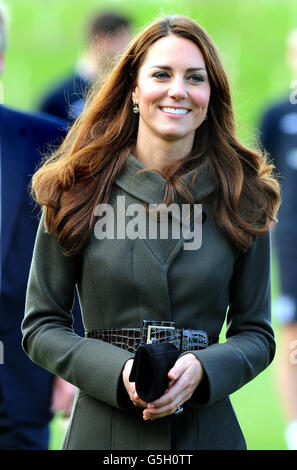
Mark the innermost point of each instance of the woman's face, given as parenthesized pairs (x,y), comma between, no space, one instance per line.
(172,90)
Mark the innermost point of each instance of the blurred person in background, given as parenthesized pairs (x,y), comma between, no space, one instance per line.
(108,34)
(278,136)
(29,395)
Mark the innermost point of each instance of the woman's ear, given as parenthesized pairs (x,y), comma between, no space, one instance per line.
(135,96)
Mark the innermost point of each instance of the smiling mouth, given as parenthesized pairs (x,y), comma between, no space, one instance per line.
(176,111)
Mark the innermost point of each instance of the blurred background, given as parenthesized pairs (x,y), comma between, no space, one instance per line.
(45,39)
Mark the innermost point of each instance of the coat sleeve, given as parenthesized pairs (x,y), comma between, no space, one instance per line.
(249,347)
(48,337)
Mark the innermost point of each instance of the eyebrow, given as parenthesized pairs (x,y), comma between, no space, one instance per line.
(167,67)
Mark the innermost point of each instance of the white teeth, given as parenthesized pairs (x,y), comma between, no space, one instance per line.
(175,110)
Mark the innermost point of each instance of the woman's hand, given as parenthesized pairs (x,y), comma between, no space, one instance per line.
(184,377)
(130,386)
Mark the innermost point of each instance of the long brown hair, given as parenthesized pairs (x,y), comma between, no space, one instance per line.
(80,174)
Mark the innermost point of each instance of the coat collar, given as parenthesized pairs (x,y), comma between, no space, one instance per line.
(150,186)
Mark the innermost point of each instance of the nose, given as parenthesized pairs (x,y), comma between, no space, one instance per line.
(177,89)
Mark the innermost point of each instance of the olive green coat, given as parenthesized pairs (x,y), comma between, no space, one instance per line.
(123,281)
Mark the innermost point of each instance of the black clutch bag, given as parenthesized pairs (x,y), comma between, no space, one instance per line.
(150,369)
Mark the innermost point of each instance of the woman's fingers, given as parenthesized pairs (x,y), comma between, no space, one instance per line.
(138,402)
(183,379)
(169,409)
(185,376)
(167,404)
(130,386)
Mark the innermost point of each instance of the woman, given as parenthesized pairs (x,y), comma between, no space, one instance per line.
(161,129)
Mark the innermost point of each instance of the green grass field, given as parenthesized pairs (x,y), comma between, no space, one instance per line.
(45,39)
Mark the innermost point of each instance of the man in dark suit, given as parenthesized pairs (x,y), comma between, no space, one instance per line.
(108,34)
(26,390)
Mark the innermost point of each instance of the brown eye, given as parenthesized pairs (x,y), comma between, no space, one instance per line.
(161,75)
(196,78)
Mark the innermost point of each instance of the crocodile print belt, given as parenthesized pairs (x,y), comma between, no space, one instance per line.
(154,331)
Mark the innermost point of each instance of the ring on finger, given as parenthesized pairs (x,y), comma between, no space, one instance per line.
(179,410)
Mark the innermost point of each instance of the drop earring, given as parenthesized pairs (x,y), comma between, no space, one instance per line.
(135,108)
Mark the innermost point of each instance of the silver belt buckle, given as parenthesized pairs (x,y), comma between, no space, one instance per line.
(149,341)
